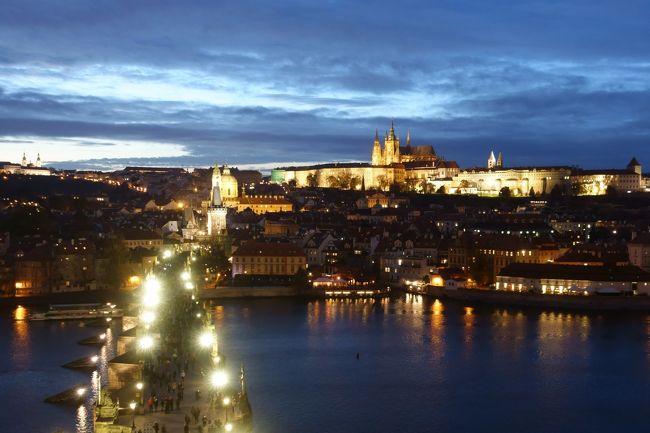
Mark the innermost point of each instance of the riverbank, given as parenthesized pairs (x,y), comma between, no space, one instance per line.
(94,296)
(590,303)
(229,292)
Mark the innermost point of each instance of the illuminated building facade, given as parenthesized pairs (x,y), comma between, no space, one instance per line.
(216,210)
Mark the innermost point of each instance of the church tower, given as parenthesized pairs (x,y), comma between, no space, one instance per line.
(216,212)
(500,160)
(24,161)
(492,161)
(38,161)
(391,147)
(634,166)
(376,151)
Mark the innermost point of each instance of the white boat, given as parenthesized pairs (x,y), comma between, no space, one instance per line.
(78,312)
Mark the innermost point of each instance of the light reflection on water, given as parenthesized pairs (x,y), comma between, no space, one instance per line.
(427,360)
(83,419)
(20,348)
(28,349)
(436,363)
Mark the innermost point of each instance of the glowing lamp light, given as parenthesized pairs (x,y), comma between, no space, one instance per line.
(206,339)
(218,379)
(132,405)
(228,427)
(167,254)
(139,386)
(189,286)
(148,317)
(151,300)
(185,276)
(152,285)
(226,401)
(94,359)
(102,336)
(81,391)
(146,342)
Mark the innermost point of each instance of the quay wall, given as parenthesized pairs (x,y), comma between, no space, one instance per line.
(596,303)
(253,292)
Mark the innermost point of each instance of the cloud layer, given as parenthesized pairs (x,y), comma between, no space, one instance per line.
(108,83)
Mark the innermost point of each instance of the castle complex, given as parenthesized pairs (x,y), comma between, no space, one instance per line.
(25,167)
(418,168)
(393,153)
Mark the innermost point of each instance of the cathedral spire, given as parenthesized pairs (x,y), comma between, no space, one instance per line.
(377,157)
(408,137)
(492,160)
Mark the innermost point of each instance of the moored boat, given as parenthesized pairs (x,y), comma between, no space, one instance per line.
(78,312)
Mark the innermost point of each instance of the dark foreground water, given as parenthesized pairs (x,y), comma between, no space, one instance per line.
(423,367)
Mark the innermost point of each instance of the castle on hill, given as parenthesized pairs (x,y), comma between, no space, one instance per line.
(418,168)
(393,153)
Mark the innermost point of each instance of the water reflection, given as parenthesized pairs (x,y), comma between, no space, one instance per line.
(20,350)
(437,340)
(95,385)
(331,311)
(21,313)
(469,320)
(82,420)
(555,328)
(219,314)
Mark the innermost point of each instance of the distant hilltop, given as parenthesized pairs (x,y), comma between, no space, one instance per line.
(25,167)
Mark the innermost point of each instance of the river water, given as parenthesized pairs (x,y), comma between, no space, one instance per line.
(424,366)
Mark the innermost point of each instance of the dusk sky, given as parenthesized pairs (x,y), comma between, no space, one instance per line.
(106,83)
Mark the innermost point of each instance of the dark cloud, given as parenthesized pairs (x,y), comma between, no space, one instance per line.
(544,82)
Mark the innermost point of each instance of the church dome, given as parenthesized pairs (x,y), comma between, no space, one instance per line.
(229,186)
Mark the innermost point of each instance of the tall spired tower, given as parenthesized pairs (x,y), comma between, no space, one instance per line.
(391,147)
(377,157)
(216,211)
